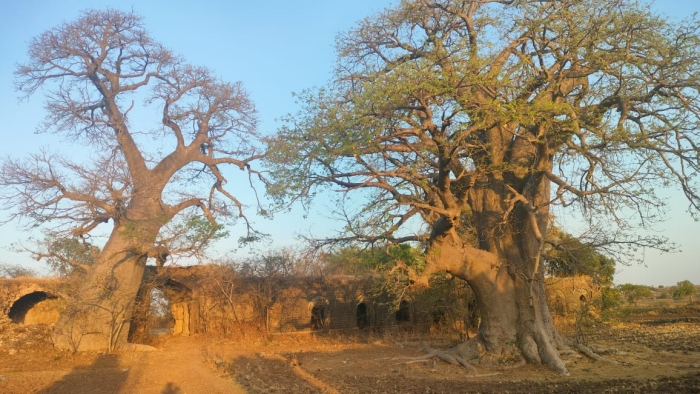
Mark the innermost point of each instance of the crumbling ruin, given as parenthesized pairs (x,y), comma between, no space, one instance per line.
(213,299)
(29,301)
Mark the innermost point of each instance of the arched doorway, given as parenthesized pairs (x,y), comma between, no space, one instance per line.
(319,313)
(362,316)
(164,306)
(27,309)
(403,314)
(160,318)
(318,317)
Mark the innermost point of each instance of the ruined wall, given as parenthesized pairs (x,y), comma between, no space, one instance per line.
(566,296)
(276,304)
(214,299)
(29,301)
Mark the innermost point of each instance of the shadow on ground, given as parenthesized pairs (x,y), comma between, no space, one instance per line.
(103,376)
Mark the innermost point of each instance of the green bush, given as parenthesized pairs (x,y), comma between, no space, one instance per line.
(611,297)
(684,288)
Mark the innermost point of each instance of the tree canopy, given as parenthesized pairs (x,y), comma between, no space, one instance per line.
(356,260)
(434,98)
(15,271)
(634,292)
(98,72)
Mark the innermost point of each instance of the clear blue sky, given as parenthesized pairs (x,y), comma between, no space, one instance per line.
(274,47)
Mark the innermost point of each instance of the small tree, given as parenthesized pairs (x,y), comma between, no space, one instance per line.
(684,288)
(611,298)
(566,255)
(634,292)
(263,280)
(15,271)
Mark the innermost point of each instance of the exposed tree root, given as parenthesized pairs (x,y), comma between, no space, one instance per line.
(450,356)
(567,352)
(302,373)
(419,360)
(462,354)
(481,375)
(519,364)
(681,365)
(472,351)
(594,354)
(585,350)
(602,350)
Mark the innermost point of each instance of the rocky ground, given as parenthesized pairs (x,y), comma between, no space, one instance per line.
(655,355)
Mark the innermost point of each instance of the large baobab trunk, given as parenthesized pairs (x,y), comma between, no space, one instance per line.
(99,315)
(506,275)
(515,319)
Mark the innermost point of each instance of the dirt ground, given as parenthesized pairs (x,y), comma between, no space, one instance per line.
(659,356)
(177,366)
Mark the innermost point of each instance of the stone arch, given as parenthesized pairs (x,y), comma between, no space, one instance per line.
(175,291)
(183,309)
(32,308)
(178,314)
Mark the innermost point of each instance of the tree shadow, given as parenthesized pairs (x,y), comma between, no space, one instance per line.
(104,376)
(171,388)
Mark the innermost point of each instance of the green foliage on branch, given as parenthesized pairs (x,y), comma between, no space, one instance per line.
(356,260)
(200,231)
(68,256)
(572,257)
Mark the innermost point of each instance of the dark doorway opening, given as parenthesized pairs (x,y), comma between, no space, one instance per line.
(362,317)
(19,309)
(403,314)
(318,317)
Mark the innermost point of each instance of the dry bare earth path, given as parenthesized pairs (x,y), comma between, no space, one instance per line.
(179,366)
(650,359)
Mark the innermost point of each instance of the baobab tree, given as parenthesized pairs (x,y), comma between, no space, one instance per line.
(478,117)
(98,71)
